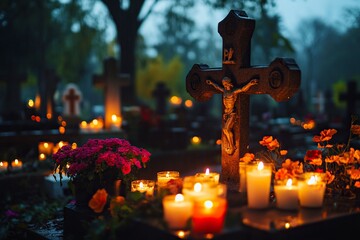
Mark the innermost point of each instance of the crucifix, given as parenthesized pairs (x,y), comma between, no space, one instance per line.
(111,81)
(236,81)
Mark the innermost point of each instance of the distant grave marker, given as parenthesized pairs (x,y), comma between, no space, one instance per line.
(111,82)
(72,97)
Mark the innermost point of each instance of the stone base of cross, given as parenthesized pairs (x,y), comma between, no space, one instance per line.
(236,81)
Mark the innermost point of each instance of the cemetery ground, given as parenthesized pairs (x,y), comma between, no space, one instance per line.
(29,212)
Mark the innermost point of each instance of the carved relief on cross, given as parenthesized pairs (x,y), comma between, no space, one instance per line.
(111,82)
(236,81)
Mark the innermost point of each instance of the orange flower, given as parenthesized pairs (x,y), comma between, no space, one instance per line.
(115,203)
(314,157)
(355,129)
(248,157)
(98,200)
(325,135)
(269,142)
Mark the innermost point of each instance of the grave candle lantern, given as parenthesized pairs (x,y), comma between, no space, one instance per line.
(143,186)
(242,174)
(45,148)
(165,176)
(178,210)
(212,176)
(4,166)
(115,122)
(286,193)
(197,188)
(258,181)
(209,215)
(312,189)
(16,164)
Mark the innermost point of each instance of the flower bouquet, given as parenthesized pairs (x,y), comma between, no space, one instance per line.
(340,162)
(100,163)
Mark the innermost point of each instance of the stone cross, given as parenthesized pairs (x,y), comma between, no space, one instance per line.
(236,81)
(111,82)
(350,97)
(71,98)
(160,93)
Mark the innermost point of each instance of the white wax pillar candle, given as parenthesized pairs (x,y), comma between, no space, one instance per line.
(312,190)
(258,181)
(211,176)
(286,195)
(178,210)
(165,176)
(242,174)
(4,166)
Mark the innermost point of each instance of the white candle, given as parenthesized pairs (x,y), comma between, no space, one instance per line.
(258,180)
(16,164)
(178,210)
(210,176)
(312,190)
(165,176)
(3,166)
(286,195)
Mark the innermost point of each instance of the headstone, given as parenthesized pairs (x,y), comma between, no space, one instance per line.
(350,97)
(12,106)
(71,98)
(236,81)
(160,93)
(111,81)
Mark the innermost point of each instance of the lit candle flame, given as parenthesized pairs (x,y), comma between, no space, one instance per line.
(289,182)
(260,166)
(141,185)
(208,204)
(179,197)
(197,187)
(207,171)
(312,180)
(167,174)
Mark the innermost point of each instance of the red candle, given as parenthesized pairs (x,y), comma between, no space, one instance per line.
(209,215)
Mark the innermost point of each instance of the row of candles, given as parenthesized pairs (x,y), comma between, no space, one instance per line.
(203,198)
(45,150)
(202,201)
(306,191)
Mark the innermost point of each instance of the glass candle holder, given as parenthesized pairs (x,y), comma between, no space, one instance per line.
(4,166)
(195,187)
(258,182)
(165,176)
(178,210)
(312,189)
(143,186)
(210,176)
(286,193)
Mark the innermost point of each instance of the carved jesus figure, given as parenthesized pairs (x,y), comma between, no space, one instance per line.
(229,98)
